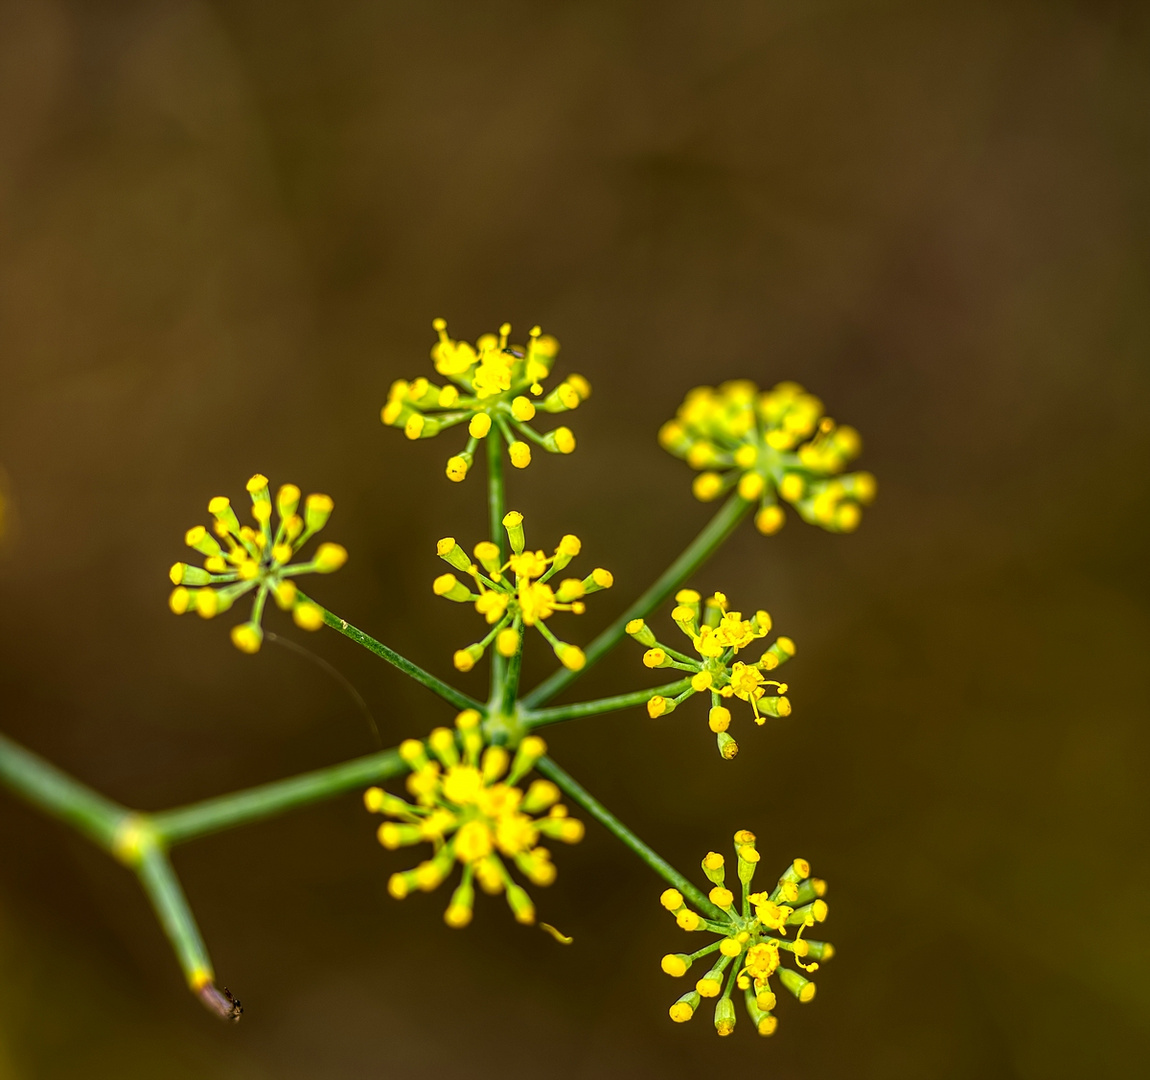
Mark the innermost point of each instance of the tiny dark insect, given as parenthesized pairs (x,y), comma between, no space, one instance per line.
(224,1005)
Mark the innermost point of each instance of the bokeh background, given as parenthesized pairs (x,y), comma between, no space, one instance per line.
(225,229)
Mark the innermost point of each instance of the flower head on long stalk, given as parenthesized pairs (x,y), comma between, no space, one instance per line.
(489,384)
(771,445)
(514,594)
(467,806)
(239,559)
(751,935)
(716,642)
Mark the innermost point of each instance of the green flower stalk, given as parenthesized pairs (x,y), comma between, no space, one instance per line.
(717,642)
(470,798)
(256,559)
(751,935)
(771,445)
(468,807)
(490,385)
(515,594)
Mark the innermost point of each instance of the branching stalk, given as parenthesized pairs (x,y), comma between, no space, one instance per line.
(697,552)
(269,800)
(539,717)
(579,794)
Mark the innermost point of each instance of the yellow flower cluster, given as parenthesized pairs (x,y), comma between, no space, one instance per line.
(771,445)
(256,558)
(490,384)
(466,805)
(717,641)
(752,934)
(513,594)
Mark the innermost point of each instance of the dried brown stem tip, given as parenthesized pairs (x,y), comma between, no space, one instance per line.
(223,1005)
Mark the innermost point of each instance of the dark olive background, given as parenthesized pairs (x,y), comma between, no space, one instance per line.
(225,228)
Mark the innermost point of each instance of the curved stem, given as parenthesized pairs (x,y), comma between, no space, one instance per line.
(455,697)
(539,717)
(696,553)
(578,794)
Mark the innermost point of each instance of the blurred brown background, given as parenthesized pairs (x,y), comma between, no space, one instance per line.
(225,228)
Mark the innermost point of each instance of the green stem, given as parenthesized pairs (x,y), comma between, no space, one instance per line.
(268,800)
(131,839)
(697,552)
(578,794)
(164,891)
(539,717)
(495,495)
(438,686)
(511,679)
(496,509)
(49,789)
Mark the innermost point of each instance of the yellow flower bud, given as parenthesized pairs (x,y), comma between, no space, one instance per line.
(792,487)
(709,986)
(676,964)
(307,616)
(208,604)
(688,920)
(570,656)
(317,509)
(707,486)
(581,386)
(719,719)
(247,637)
(720,897)
(750,486)
(564,440)
(770,520)
(457,467)
(507,641)
(330,557)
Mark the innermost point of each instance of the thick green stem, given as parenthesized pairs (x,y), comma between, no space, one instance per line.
(578,794)
(49,789)
(130,838)
(697,552)
(496,509)
(437,686)
(511,679)
(539,717)
(268,800)
(167,896)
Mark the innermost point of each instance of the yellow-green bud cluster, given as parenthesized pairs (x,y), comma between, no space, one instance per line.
(490,384)
(466,804)
(513,594)
(771,445)
(751,936)
(241,558)
(716,641)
